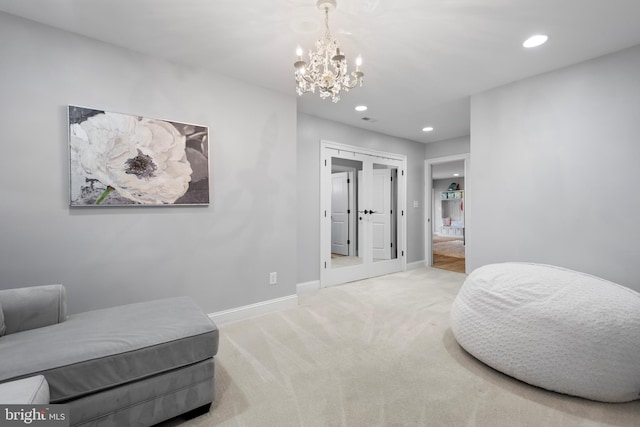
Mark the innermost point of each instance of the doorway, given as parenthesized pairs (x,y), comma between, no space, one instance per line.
(362,220)
(446,222)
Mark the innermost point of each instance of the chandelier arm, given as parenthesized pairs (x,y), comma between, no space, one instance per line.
(352,84)
(308,79)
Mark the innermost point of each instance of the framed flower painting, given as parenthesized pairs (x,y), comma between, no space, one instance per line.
(124,160)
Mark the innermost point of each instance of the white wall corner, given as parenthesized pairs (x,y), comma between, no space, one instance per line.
(252,310)
(311,286)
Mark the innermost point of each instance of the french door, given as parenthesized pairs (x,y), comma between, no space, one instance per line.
(363,198)
(340,201)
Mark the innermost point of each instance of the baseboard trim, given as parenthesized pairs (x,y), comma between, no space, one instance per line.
(251,310)
(417,264)
(311,286)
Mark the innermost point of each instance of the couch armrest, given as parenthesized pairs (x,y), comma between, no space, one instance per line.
(33,307)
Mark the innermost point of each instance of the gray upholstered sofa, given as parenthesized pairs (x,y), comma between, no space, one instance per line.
(136,364)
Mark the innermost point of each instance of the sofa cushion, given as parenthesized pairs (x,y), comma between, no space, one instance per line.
(33,307)
(99,349)
(27,391)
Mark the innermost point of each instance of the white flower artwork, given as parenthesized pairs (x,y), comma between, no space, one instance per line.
(119,160)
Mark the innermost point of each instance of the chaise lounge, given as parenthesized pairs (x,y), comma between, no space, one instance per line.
(136,364)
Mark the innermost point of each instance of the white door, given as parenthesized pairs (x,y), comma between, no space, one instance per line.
(381,214)
(379,224)
(340,213)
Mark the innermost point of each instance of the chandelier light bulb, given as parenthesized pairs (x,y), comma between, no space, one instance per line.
(300,65)
(326,70)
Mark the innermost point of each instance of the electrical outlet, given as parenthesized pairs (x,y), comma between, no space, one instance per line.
(273,278)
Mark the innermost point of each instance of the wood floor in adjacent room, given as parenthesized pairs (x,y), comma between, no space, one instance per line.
(449,253)
(449,263)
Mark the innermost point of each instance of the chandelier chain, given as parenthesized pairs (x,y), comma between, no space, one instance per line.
(326,23)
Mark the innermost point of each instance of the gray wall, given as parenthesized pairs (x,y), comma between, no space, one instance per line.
(544,151)
(310,131)
(447,147)
(221,255)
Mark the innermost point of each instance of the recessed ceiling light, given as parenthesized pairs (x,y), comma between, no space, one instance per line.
(535,40)
(361,108)
(427,129)
(456,174)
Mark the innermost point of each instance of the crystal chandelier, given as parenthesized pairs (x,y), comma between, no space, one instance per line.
(327,67)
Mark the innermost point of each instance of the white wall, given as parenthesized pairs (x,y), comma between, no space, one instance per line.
(310,131)
(220,255)
(544,150)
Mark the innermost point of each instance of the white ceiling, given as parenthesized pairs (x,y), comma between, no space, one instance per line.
(422,58)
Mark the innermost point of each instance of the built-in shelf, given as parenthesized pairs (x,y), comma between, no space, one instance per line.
(452,195)
(452,213)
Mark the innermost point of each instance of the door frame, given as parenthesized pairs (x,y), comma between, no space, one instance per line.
(430,205)
(329,277)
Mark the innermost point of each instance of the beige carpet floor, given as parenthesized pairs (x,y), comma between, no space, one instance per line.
(378,352)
